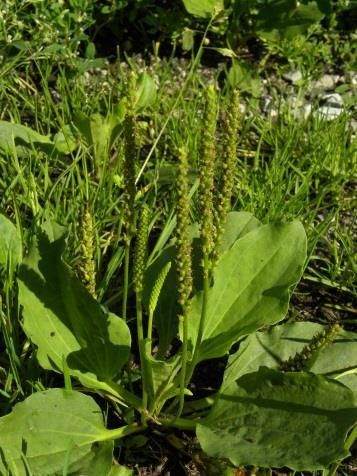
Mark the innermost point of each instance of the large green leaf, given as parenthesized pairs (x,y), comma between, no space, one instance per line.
(243,75)
(121,471)
(146,92)
(279,19)
(22,138)
(63,319)
(100,132)
(52,430)
(337,360)
(274,419)
(252,284)
(203,8)
(163,378)
(10,244)
(165,318)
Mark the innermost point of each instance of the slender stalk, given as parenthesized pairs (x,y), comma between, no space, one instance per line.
(206,286)
(183,365)
(126,279)
(142,354)
(130,143)
(150,322)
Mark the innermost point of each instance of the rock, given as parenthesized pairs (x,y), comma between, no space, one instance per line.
(268,107)
(354,79)
(332,107)
(307,110)
(325,83)
(293,76)
(329,112)
(334,100)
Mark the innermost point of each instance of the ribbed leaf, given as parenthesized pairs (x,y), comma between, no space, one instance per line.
(252,284)
(63,319)
(274,419)
(52,430)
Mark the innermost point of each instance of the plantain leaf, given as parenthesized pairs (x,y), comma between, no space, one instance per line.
(63,319)
(251,288)
(337,360)
(51,430)
(22,138)
(10,244)
(65,141)
(146,92)
(203,8)
(274,419)
(121,471)
(280,19)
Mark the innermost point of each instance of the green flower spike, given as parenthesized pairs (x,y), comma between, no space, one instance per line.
(140,254)
(227,171)
(183,243)
(206,172)
(301,359)
(130,141)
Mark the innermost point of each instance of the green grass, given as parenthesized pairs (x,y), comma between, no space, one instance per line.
(286,169)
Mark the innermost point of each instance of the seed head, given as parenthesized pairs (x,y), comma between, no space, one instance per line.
(183,243)
(206,172)
(227,171)
(302,358)
(140,255)
(130,147)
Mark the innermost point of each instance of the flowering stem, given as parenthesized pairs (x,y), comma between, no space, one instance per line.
(206,285)
(126,279)
(184,265)
(183,365)
(143,360)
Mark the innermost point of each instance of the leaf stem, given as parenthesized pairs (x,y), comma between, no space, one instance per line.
(180,423)
(121,432)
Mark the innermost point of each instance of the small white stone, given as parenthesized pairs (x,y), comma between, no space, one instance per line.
(329,112)
(325,83)
(293,76)
(307,110)
(334,100)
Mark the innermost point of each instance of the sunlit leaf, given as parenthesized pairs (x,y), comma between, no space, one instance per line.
(252,284)
(53,429)
(203,8)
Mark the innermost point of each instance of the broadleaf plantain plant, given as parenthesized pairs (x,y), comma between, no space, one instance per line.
(219,285)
